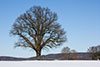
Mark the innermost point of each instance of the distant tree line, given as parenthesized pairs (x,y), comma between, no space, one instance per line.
(93,52)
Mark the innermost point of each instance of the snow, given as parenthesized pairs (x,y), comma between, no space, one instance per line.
(55,63)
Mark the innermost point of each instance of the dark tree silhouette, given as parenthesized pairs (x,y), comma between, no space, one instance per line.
(38,28)
(94,52)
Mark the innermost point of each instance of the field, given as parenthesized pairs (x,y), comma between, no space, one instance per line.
(55,63)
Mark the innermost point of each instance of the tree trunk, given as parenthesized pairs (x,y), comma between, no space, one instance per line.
(38,55)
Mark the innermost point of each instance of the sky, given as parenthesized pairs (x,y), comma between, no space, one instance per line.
(79,18)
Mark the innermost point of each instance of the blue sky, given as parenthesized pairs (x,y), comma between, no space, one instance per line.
(79,18)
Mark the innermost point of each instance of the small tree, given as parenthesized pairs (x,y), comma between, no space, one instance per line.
(38,28)
(69,54)
(66,52)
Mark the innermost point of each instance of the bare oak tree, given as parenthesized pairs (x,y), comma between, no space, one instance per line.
(38,28)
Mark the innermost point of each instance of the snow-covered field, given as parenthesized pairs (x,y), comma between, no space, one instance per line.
(49,63)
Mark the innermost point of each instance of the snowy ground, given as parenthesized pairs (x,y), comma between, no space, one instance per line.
(49,63)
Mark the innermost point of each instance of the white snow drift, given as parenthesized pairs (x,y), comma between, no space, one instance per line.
(49,63)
